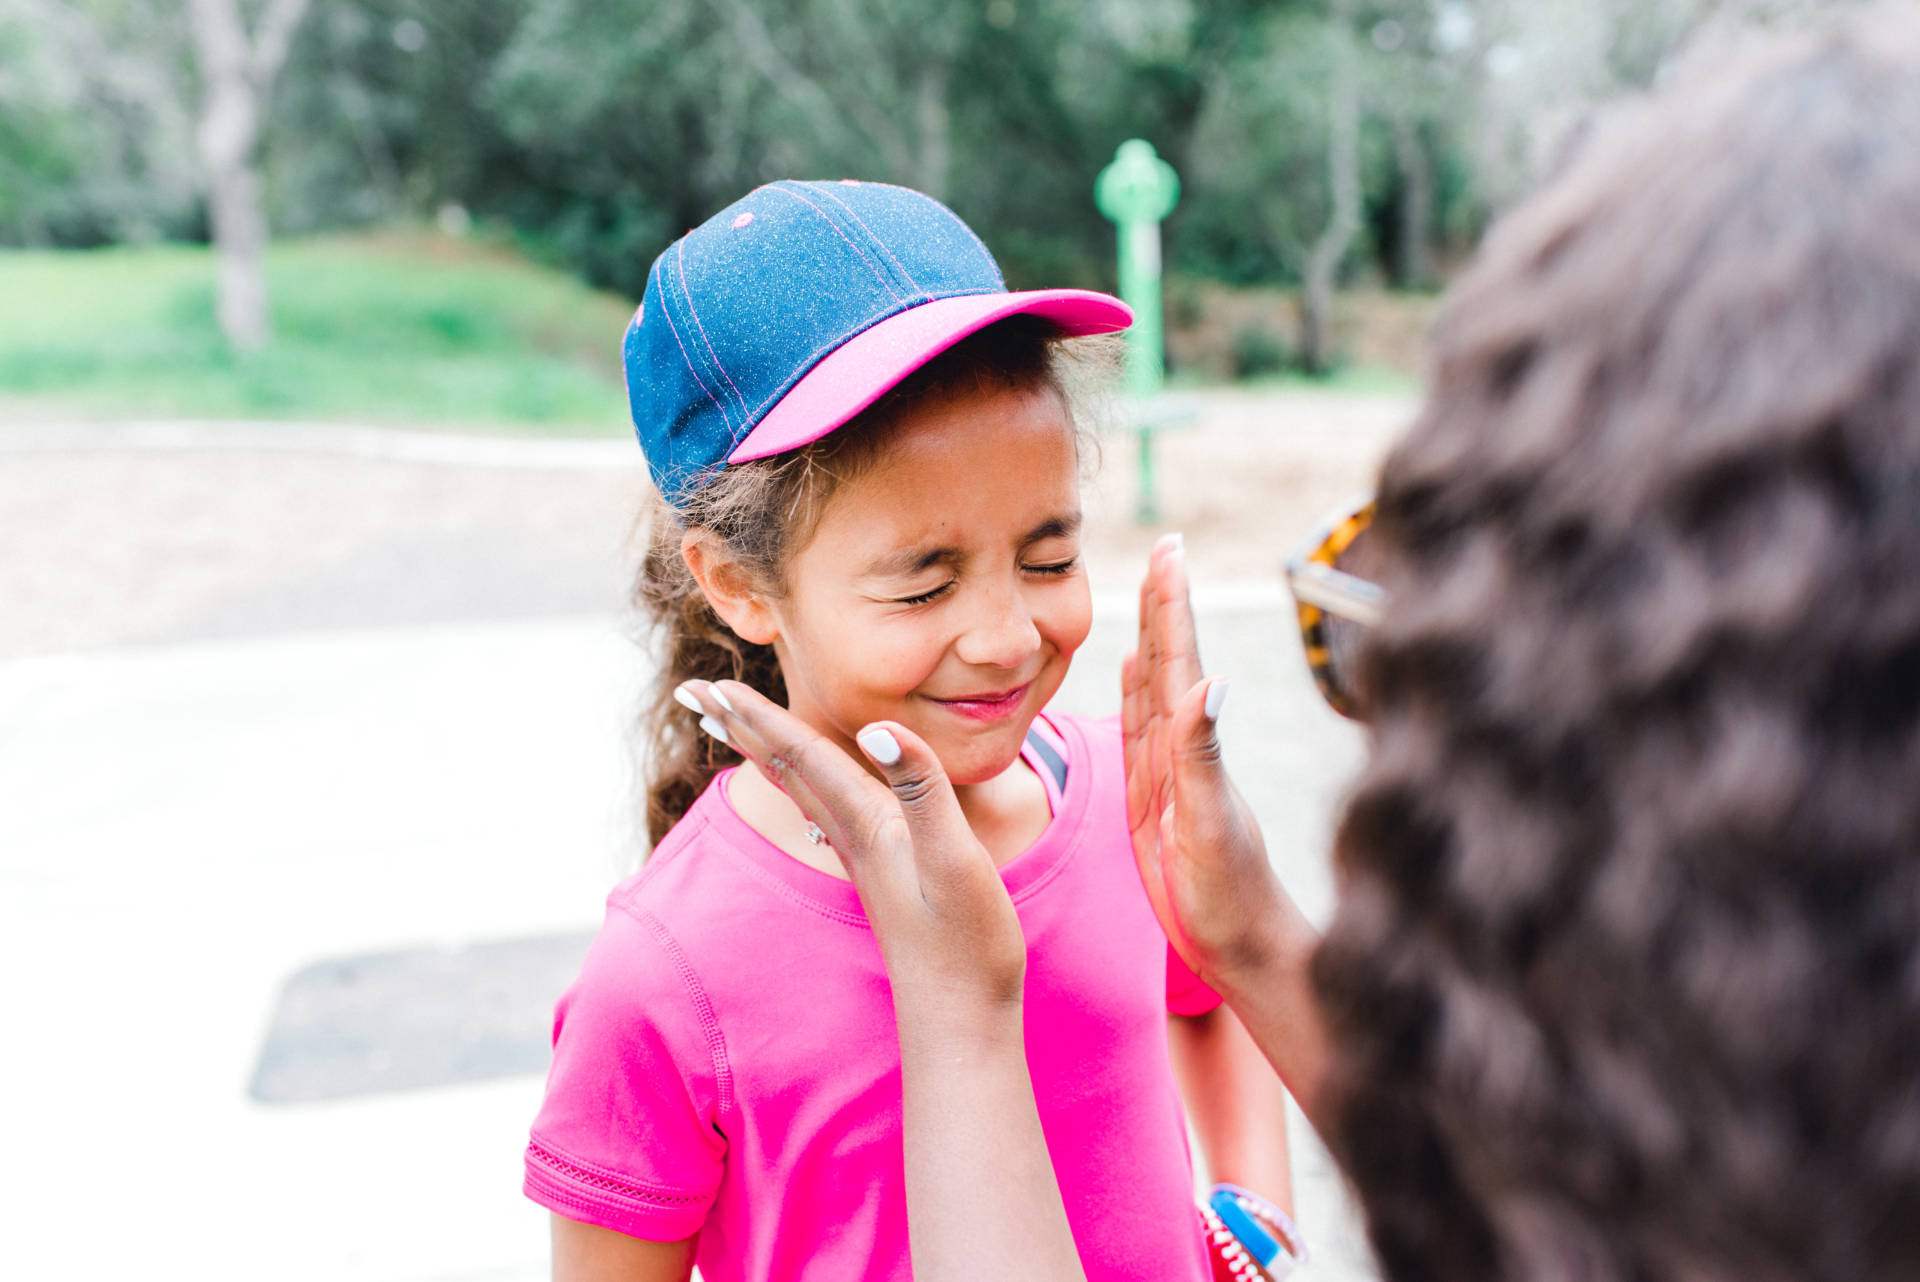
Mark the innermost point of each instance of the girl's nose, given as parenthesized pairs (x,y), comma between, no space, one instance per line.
(1001,633)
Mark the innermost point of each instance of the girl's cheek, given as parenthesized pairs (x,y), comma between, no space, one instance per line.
(902,658)
(1075,622)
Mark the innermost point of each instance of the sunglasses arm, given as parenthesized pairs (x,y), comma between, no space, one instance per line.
(1337,592)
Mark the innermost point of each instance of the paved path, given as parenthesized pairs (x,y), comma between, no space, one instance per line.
(265,707)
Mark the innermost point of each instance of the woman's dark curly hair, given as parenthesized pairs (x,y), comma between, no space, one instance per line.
(1625,978)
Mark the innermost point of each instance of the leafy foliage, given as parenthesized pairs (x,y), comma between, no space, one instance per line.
(596,130)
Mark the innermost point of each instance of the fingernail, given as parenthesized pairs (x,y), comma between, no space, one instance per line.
(1178,542)
(878,742)
(714,728)
(720,698)
(685,698)
(1216,699)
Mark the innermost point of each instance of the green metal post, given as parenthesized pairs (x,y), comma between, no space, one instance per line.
(1136,192)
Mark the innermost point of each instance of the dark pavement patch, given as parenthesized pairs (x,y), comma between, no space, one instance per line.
(404,1021)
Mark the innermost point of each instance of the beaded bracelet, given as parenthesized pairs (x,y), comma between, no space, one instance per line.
(1266,1234)
(1231,1263)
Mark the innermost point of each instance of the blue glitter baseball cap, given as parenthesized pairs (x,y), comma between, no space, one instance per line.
(794,308)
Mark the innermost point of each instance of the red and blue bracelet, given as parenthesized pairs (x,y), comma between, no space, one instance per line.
(1255,1239)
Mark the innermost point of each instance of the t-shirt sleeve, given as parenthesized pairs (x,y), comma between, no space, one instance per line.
(628,1137)
(1187,993)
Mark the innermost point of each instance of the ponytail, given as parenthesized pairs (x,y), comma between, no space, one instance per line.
(694,645)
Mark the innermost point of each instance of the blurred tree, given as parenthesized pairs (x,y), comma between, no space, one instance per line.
(1412,86)
(637,118)
(129,56)
(890,63)
(1257,157)
(597,130)
(95,131)
(1343,184)
(237,71)
(381,114)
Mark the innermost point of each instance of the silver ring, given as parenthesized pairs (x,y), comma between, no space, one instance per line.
(814,835)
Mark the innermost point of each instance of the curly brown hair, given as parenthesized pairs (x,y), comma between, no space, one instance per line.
(1625,977)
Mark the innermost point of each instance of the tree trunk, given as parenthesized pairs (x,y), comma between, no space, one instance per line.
(240,239)
(1343,172)
(1416,205)
(237,74)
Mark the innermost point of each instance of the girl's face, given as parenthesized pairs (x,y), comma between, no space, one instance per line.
(943,587)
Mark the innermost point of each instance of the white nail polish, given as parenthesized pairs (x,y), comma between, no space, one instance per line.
(1178,542)
(720,698)
(685,698)
(1216,699)
(879,744)
(714,728)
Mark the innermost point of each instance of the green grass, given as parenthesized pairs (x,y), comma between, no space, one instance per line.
(395,327)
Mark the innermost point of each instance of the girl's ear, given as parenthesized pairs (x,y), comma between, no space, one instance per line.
(729,589)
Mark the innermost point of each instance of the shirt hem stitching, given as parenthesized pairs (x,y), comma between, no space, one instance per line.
(580,1181)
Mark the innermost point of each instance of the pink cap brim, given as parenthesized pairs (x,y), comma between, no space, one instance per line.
(864,368)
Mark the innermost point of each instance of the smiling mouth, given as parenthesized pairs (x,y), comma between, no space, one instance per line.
(988,707)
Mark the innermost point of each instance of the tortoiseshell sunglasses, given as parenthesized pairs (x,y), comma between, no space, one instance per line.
(1336,602)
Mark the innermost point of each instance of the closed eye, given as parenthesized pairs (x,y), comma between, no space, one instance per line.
(925,597)
(1055,569)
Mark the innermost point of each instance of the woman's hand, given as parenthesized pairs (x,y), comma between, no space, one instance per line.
(1199,849)
(982,1198)
(941,913)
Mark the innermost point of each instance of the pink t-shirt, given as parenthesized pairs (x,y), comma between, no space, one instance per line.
(727,1062)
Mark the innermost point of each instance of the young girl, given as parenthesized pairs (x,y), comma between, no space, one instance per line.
(869,465)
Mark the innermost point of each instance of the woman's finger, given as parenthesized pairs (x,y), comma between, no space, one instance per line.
(1199,771)
(943,843)
(1145,769)
(1133,740)
(1176,659)
(1176,642)
(774,752)
(969,938)
(1151,740)
(938,908)
(834,792)
(1142,642)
